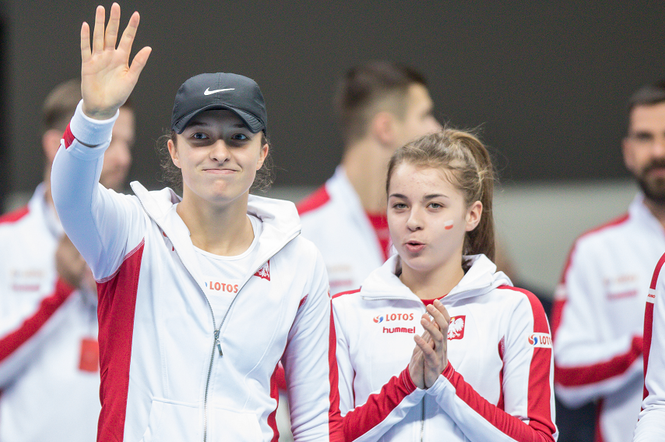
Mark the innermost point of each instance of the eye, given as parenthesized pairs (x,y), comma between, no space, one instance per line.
(435,206)
(399,206)
(240,137)
(199,136)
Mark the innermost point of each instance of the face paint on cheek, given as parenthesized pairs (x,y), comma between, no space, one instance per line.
(448,224)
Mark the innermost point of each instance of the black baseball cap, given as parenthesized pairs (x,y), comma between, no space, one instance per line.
(220,90)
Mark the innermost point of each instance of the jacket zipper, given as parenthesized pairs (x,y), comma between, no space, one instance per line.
(216,335)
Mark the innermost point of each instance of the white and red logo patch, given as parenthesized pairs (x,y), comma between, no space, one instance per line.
(456,327)
(540,340)
(264,271)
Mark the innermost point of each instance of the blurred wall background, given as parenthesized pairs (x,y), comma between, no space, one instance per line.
(546,82)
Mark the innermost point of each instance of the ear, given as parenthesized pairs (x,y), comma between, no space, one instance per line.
(263,155)
(51,143)
(473,215)
(173,151)
(383,127)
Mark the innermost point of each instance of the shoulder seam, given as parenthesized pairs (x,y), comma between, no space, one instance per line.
(15,215)
(315,200)
(348,292)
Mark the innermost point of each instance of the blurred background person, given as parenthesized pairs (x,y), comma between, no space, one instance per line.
(49,370)
(380,106)
(599,305)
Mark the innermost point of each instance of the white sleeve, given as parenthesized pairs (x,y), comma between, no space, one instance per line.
(588,362)
(651,423)
(309,363)
(527,387)
(94,218)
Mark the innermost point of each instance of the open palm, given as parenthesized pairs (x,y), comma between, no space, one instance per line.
(107,78)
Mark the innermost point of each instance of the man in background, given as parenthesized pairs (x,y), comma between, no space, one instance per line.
(49,369)
(380,106)
(599,306)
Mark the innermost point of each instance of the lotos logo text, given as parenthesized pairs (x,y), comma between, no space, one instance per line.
(456,327)
(222,287)
(393,317)
(264,271)
(540,340)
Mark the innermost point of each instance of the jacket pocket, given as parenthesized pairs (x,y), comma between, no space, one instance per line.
(173,422)
(177,422)
(229,425)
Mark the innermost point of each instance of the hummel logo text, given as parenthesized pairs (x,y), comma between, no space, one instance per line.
(209,92)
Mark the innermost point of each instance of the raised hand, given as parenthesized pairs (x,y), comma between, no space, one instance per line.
(434,350)
(107,78)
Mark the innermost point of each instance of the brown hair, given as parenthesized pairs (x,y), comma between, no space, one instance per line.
(647,95)
(468,166)
(172,175)
(368,85)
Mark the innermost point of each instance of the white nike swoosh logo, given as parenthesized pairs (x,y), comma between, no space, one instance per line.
(209,92)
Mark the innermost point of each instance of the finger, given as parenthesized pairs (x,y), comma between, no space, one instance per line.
(112,27)
(444,311)
(139,62)
(432,328)
(439,314)
(98,32)
(428,352)
(129,34)
(85,42)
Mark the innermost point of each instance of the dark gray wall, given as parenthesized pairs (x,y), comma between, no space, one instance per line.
(547,81)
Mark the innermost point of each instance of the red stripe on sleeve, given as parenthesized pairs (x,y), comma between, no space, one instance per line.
(591,374)
(378,406)
(504,422)
(68,136)
(274,393)
(29,328)
(334,415)
(117,303)
(648,319)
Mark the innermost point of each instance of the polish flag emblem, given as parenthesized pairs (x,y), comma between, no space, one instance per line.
(456,327)
(264,271)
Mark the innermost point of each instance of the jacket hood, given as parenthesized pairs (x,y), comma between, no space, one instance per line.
(280,223)
(481,278)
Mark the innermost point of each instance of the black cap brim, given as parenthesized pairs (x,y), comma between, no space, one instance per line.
(253,124)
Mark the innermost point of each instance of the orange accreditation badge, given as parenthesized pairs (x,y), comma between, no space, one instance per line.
(89,355)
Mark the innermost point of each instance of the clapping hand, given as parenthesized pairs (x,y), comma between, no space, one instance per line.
(107,78)
(430,356)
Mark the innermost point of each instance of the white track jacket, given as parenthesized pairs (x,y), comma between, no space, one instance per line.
(498,382)
(170,372)
(598,319)
(47,393)
(651,424)
(334,220)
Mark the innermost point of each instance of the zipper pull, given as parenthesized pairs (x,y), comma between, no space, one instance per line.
(219,344)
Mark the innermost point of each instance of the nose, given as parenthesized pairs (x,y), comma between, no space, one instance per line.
(658,147)
(219,152)
(415,220)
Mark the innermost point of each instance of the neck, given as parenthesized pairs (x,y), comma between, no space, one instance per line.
(220,230)
(656,209)
(366,165)
(435,283)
